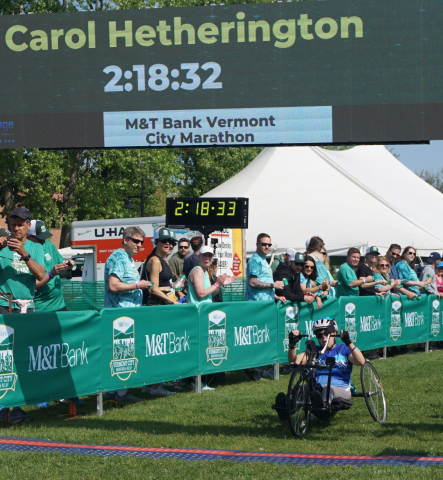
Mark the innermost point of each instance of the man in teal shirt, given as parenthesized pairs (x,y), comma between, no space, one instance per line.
(49,295)
(123,288)
(347,279)
(21,264)
(260,284)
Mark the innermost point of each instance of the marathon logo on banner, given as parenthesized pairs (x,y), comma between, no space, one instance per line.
(435,318)
(350,324)
(395,330)
(217,350)
(292,317)
(8,378)
(124,361)
(242,126)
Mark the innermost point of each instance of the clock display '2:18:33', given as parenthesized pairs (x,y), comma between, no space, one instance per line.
(204,208)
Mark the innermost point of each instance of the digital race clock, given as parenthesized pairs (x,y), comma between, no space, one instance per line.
(211,213)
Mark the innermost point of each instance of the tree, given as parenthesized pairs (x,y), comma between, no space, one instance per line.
(31,178)
(206,168)
(434,179)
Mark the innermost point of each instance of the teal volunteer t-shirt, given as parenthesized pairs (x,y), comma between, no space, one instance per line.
(259,267)
(15,276)
(345,276)
(50,297)
(123,266)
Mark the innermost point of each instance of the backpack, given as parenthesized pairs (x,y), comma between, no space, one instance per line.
(144,276)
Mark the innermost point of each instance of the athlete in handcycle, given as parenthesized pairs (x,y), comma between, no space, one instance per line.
(321,380)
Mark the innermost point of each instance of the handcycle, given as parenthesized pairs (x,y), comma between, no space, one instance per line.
(298,406)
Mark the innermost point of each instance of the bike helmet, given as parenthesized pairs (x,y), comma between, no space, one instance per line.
(323,323)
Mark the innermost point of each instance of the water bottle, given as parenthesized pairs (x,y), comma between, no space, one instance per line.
(179,283)
(176,287)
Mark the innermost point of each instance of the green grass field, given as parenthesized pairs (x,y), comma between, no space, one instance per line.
(237,416)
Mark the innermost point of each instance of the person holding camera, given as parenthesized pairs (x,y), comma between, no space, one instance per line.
(21,264)
(49,293)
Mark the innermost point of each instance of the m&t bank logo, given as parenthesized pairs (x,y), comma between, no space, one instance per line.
(217,350)
(125,361)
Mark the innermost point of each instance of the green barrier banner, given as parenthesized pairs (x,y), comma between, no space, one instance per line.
(364,319)
(148,345)
(409,320)
(301,316)
(237,335)
(49,356)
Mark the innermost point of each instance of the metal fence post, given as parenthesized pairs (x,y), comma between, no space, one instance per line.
(198,384)
(277,371)
(100,404)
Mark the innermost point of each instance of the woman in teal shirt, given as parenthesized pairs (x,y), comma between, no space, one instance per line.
(381,273)
(316,249)
(407,274)
(200,289)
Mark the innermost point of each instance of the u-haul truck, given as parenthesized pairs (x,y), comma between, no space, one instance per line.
(97,239)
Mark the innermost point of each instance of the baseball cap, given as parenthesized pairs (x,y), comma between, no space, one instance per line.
(440,265)
(22,213)
(290,251)
(372,250)
(197,241)
(40,231)
(31,230)
(206,249)
(433,257)
(164,234)
(297,257)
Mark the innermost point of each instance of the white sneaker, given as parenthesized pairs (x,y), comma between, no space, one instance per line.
(162,392)
(206,387)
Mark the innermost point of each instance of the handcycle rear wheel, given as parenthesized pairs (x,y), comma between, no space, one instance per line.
(373,392)
(297,401)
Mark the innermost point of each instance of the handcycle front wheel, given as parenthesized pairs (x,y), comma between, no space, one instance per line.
(297,401)
(373,392)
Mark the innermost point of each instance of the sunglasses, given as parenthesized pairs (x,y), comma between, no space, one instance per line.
(309,266)
(171,242)
(395,254)
(323,253)
(183,246)
(321,334)
(411,253)
(136,240)
(266,245)
(383,265)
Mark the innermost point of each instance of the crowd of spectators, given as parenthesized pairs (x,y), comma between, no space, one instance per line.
(31,267)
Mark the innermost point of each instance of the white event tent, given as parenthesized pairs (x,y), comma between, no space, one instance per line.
(353,198)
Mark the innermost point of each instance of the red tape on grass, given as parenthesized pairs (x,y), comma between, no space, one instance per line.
(31,444)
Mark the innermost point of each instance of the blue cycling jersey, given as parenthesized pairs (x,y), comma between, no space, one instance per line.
(341,372)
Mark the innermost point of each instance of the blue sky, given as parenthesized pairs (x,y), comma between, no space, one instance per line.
(420,157)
